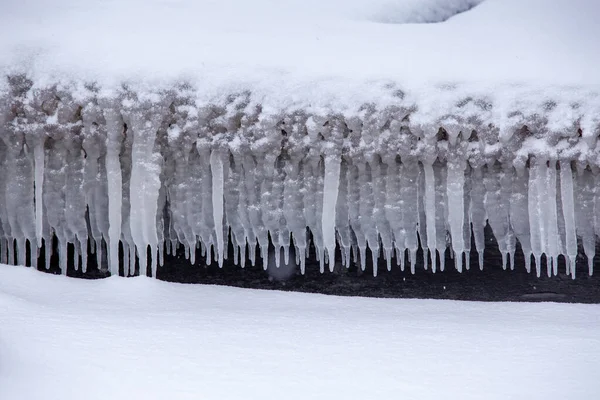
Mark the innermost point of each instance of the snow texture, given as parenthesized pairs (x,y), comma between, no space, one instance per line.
(158,123)
(66,339)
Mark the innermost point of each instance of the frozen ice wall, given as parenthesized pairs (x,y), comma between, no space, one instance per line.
(154,170)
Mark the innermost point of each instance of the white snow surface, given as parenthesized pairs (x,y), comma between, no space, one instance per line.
(62,338)
(339,53)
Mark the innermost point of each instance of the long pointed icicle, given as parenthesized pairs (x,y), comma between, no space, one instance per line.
(430,213)
(113,173)
(455,187)
(38,156)
(330,195)
(568,203)
(216,167)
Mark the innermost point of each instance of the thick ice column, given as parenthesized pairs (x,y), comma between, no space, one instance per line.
(409,208)
(216,167)
(496,206)
(342,218)
(568,205)
(519,213)
(330,196)
(536,227)
(114,128)
(477,211)
(584,212)
(145,181)
(543,208)
(551,217)
(429,200)
(454,190)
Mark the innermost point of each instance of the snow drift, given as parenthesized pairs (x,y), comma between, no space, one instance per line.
(193,123)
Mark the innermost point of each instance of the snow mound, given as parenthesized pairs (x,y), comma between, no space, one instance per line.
(330,44)
(420,11)
(144,339)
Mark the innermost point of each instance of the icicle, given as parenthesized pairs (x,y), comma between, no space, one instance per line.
(192,254)
(277,256)
(477,215)
(362,249)
(48,255)
(125,259)
(62,256)
(301,252)
(209,254)
(143,260)
(243,255)
(22,251)
(154,260)
(551,219)
(3,250)
(84,256)
(114,127)
(98,252)
(330,196)
(216,167)
(236,255)
(161,254)
(76,253)
(584,210)
(454,190)
(38,155)
(511,257)
(286,254)
(252,253)
(265,255)
(400,254)
(536,228)
(374,254)
(321,262)
(430,213)
(131,259)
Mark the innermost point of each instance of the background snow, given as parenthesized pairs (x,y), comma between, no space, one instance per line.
(327,51)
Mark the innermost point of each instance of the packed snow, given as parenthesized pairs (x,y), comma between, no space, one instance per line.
(332,52)
(66,339)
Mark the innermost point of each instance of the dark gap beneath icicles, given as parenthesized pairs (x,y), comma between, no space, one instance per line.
(492,284)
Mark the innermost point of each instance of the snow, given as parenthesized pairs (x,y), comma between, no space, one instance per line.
(65,339)
(317,53)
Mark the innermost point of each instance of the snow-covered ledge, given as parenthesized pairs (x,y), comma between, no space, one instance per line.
(157,123)
(149,168)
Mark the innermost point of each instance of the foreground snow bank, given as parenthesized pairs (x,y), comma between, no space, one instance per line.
(116,339)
